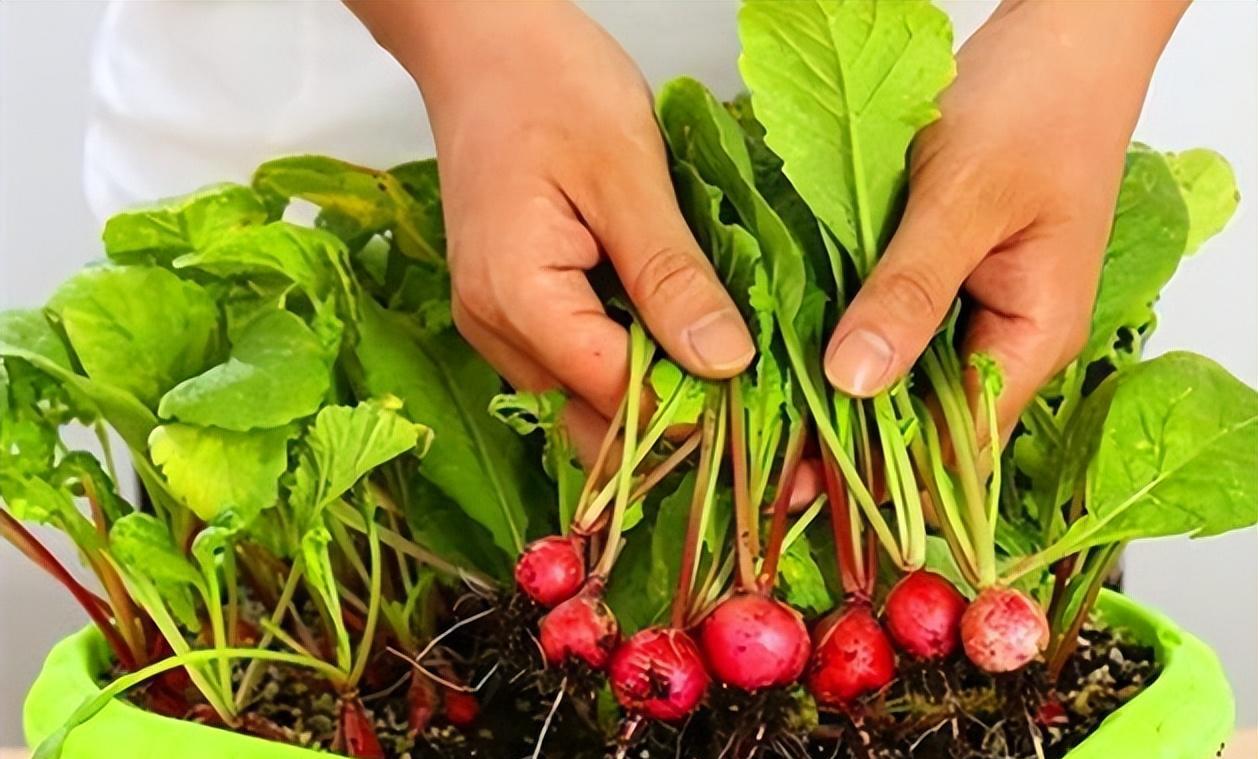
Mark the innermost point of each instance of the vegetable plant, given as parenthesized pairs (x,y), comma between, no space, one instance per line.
(332,489)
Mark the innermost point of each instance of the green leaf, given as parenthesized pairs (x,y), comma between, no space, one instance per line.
(141,330)
(1178,455)
(312,259)
(668,538)
(939,559)
(842,87)
(27,337)
(803,585)
(527,413)
(438,524)
(344,445)
(160,233)
(144,547)
(29,331)
(278,372)
(213,470)
(357,202)
(1208,186)
(681,392)
(1149,237)
(475,460)
(422,183)
(634,609)
(701,132)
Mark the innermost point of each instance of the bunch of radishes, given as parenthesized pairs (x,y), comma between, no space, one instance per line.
(732,629)
(753,641)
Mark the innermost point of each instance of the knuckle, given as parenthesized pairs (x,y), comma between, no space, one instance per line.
(666,274)
(915,292)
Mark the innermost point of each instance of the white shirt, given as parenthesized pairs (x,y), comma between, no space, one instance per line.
(199,91)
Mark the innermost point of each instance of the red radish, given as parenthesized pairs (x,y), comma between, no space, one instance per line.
(923,615)
(460,709)
(752,642)
(581,627)
(550,570)
(356,735)
(852,657)
(421,702)
(659,673)
(1003,630)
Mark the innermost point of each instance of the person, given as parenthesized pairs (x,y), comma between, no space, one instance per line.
(551,160)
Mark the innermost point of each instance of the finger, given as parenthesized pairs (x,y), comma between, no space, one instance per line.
(534,296)
(1034,342)
(908,294)
(586,429)
(666,275)
(520,371)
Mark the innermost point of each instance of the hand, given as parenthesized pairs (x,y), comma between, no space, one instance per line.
(551,159)
(1011,195)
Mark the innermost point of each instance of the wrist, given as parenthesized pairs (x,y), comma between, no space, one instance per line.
(444,44)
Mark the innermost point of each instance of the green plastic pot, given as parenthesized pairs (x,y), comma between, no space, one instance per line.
(1187,713)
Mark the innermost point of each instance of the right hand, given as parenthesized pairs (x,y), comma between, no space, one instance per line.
(550,159)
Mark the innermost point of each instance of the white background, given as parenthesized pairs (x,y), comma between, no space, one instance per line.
(1205,93)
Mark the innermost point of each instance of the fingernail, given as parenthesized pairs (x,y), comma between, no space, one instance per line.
(858,365)
(721,342)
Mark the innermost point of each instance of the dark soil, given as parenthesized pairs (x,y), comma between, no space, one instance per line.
(948,711)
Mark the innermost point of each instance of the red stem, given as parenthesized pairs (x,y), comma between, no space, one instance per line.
(840,519)
(871,564)
(29,545)
(690,551)
(781,507)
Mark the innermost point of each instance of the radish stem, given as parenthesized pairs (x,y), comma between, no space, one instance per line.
(747,541)
(640,349)
(782,504)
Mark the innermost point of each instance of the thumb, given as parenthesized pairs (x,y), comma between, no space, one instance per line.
(900,306)
(666,275)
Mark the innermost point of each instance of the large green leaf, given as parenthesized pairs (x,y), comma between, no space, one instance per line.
(357,202)
(312,259)
(1208,186)
(475,460)
(1178,455)
(213,470)
(345,444)
(278,372)
(138,329)
(842,87)
(170,228)
(1148,239)
(702,133)
(27,337)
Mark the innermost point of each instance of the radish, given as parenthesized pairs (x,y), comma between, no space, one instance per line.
(460,709)
(659,673)
(583,627)
(852,657)
(551,570)
(421,698)
(356,733)
(1003,630)
(923,615)
(752,641)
